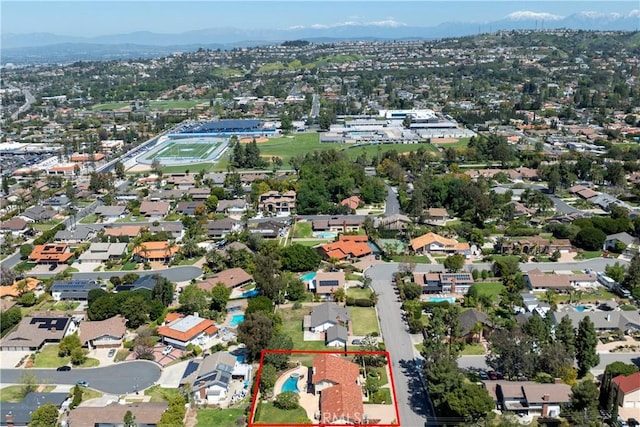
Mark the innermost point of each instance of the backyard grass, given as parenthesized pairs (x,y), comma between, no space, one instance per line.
(218,417)
(359,293)
(419,259)
(89,219)
(161,394)
(303,230)
(309,243)
(292,327)
(272,415)
(472,350)
(599,294)
(13,393)
(491,289)
(48,358)
(387,396)
(364,320)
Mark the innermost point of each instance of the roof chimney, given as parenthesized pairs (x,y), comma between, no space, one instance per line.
(545,405)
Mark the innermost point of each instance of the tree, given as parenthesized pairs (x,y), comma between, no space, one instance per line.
(372,384)
(566,335)
(279,342)
(77,396)
(454,263)
(136,310)
(129,420)
(193,299)
(68,344)
(590,238)
(103,308)
(268,378)
(299,258)
(287,400)
(25,250)
(259,304)
(29,383)
(267,276)
(607,396)
(586,342)
(45,416)
(219,297)
(255,332)
(511,353)
(118,168)
(583,405)
(163,290)
(7,276)
(553,180)
(78,356)
(470,401)
(174,415)
(295,289)
(10,318)
(411,291)
(144,342)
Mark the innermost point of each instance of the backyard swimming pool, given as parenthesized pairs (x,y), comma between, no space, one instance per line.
(325,234)
(236,320)
(308,277)
(442,299)
(250,294)
(291,384)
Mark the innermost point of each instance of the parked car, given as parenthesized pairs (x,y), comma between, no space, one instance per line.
(168,349)
(111,353)
(492,375)
(483,375)
(357,342)
(64,368)
(83,383)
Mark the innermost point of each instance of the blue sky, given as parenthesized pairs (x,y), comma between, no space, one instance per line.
(98,17)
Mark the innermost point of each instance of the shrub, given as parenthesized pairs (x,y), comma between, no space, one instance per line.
(297,305)
(287,400)
(362,302)
(351,301)
(379,397)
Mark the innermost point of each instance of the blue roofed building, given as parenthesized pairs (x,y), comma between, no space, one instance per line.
(224,128)
(144,282)
(72,290)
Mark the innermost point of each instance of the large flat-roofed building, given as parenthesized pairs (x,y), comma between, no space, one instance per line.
(224,128)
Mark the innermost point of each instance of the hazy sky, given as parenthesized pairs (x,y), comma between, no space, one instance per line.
(98,17)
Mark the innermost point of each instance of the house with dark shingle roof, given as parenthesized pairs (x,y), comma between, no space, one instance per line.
(154,210)
(214,374)
(146,414)
(107,333)
(219,228)
(18,414)
(325,316)
(78,234)
(33,332)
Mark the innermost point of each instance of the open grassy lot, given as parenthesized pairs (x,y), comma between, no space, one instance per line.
(218,417)
(161,394)
(472,350)
(491,289)
(359,293)
(13,393)
(462,143)
(195,168)
(272,415)
(364,320)
(292,326)
(48,358)
(303,229)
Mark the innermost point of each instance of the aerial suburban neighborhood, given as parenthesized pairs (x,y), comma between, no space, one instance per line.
(409,232)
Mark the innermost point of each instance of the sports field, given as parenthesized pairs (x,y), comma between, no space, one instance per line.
(177,149)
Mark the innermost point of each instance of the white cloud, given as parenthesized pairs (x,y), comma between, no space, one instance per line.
(383,23)
(635,13)
(522,15)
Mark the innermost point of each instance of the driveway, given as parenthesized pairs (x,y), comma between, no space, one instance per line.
(171,375)
(125,377)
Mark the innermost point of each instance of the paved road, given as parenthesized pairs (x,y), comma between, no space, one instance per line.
(182,273)
(125,377)
(413,403)
(559,204)
(605,359)
(392,205)
(315,106)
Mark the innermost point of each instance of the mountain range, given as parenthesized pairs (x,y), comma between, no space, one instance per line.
(44,47)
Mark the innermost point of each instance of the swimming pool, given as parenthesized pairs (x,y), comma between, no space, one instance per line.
(580,308)
(291,384)
(236,320)
(308,277)
(442,299)
(250,294)
(325,234)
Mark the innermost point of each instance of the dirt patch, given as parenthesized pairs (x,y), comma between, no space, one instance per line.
(444,140)
(140,168)
(258,140)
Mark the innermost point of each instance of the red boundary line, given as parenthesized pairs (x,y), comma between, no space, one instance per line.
(251,422)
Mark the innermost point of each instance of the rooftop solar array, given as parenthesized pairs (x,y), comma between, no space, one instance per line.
(57,323)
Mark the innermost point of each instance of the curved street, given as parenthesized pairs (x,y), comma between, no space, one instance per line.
(124,377)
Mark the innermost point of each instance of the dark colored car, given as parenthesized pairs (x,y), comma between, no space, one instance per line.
(83,384)
(492,375)
(64,368)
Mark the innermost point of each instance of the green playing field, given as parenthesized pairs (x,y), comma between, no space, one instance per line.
(186,150)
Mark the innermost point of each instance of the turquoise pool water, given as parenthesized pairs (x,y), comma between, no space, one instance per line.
(325,234)
(250,294)
(580,308)
(308,277)
(442,299)
(291,384)
(236,320)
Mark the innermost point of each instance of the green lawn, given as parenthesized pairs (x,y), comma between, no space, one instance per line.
(272,415)
(462,143)
(359,293)
(161,394)
(591,254)
(472,350)
(292,327)
(129,266)
(303,230)
(600,294)
(48,358)
(386,392)
(218,417)
(197,167)
(89,219)
(419,259)
(491,289)
(89,393)
(364,320)
(309,242)
(13,393)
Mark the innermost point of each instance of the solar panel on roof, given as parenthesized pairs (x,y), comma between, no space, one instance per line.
(191,368)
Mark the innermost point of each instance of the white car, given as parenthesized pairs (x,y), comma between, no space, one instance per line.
(168,349)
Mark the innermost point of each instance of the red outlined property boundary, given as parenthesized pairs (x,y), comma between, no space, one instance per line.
(254,402)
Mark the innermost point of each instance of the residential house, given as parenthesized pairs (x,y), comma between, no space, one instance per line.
(336,380)
(214,374)
(101,252)
(38,214)
(198,193)
(336,336)
(181,182)
(444,282)
(538,281)
(520,210)
(111,213)
(146,414)
(18,414)
(352,202)
(143,282)
(126,232)
(626,391)
(331,319)
(155,252)
(432,242)
(16,226)
(347,247)
(57,202)
(75,235)
(33,332)
(436,216)
(273,202)
(189,208)
(534,245)
(174,229)
(326,283)
(231,278)
(603,321)
(167,195)
(475,325)
(394,222)
(582,191)
(623,238)
(19,287)
(107,333)
(529,398)
(154,210)
(220,228)
(269,229)
(234,207)
(343,224)
(50,254)
(73,290)
(184,330)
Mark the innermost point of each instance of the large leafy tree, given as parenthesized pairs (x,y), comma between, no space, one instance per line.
(470,402)
(511,353)
(45,416)
(566,335)
(267,276)
(299,258)
(219,297)
(607,397)
(279,342)
(193,299)
(255,332)
(586,342)
(163,290)
(583,406)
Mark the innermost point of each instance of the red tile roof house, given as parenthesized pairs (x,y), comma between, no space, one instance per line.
(185,330)
(51,254)
(626,390)
(336,379)
(347,247)
(106,333)
(352,202)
